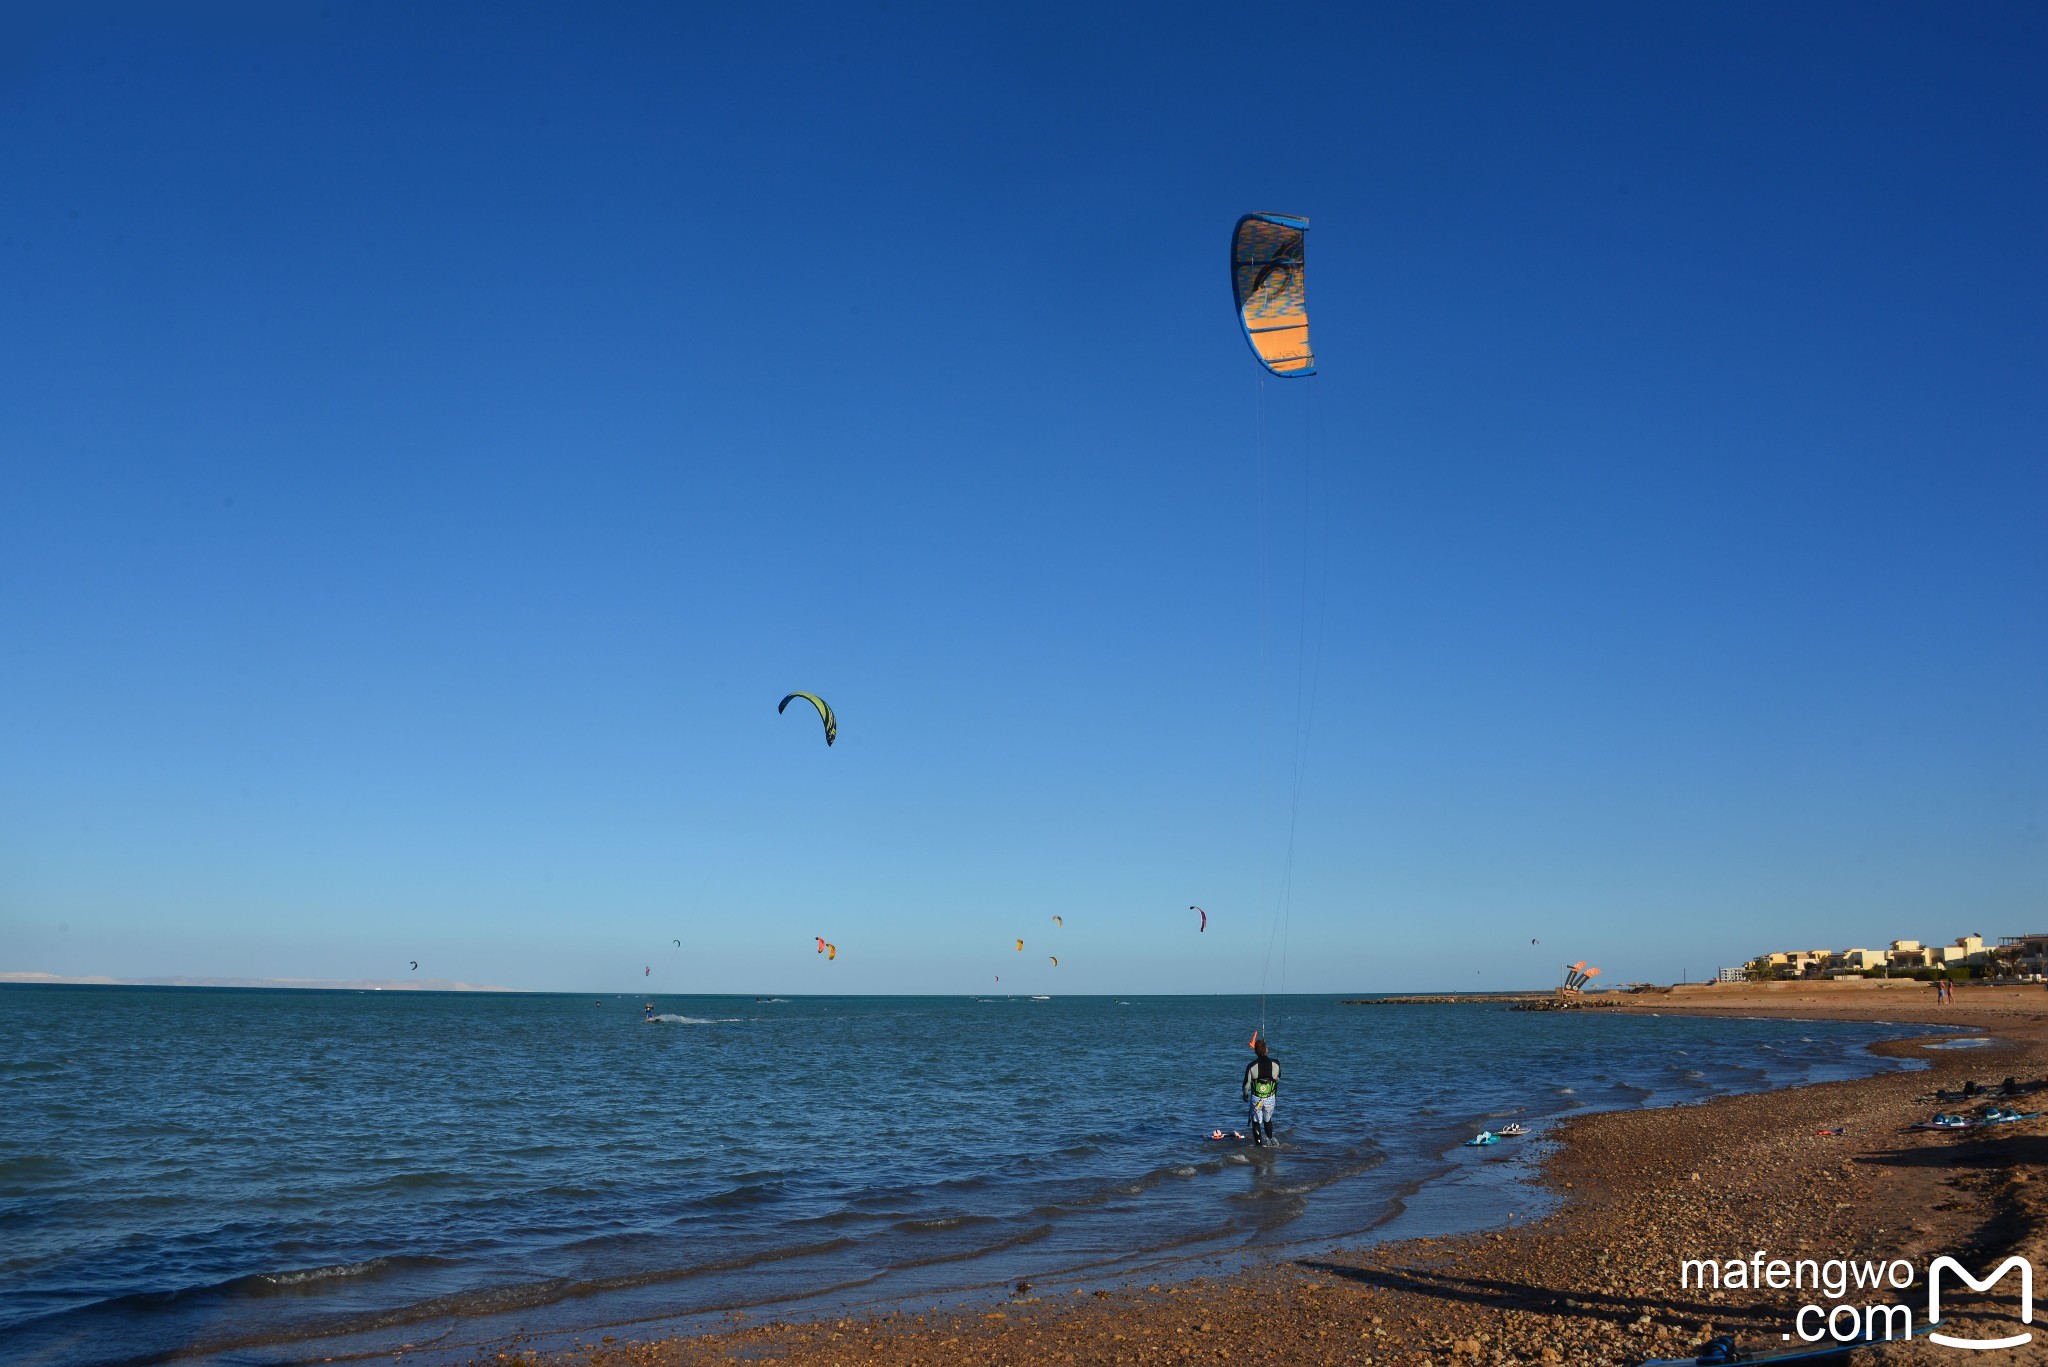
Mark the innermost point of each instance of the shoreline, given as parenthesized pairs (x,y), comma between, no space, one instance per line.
(1594,1280)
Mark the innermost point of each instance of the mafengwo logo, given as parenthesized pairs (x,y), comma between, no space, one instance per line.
(1939,1265)
(1852,1308)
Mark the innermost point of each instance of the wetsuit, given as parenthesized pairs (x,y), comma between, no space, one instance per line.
(1261,1083)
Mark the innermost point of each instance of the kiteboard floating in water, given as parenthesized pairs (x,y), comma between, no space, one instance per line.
(1269,277)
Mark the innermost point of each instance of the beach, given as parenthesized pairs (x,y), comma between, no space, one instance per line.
(1822,1172)
(464,1169)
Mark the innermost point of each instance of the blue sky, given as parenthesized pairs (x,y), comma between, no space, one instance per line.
(435,437)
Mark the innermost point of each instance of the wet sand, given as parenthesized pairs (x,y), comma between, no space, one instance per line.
(1598,1281)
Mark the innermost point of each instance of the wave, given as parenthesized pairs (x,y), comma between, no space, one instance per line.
(332,1272)
(260,1284)
(934,1224)
(745,1194)
(32,1167)
(1030,1235)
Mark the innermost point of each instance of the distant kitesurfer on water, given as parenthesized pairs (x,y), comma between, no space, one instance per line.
(1261,1084)
(650,1010)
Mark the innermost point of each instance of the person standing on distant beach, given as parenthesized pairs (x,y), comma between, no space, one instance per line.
(1261,1085)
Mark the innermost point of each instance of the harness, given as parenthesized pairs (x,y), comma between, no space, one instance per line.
(1264,1081)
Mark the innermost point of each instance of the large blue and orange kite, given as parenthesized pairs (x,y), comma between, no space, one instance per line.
(1269,277)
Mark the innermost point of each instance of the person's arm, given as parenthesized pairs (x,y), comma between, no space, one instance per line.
(1248,1079)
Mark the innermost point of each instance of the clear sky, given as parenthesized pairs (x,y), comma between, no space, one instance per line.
(434,437)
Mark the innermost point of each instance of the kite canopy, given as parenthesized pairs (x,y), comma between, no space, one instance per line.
(824,713)
(1268,276)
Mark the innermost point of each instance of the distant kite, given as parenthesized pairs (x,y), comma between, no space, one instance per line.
(415,965)
(1020,946)
(821,943)
(831,953)
(1055,960)
(824,713)
(1205,919)
(1058,922)
(649,973)
(679,944)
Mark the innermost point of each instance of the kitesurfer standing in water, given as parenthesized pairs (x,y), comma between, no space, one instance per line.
(1261,1083)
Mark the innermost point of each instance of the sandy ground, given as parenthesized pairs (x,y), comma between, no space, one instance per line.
(1598,1281)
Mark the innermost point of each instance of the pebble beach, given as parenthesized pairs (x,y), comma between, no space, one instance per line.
(1824,1171)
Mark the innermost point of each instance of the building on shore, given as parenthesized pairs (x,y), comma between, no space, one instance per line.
(2027,953)
(2015,954)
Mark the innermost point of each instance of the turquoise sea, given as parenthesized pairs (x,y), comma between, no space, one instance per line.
(248,1176)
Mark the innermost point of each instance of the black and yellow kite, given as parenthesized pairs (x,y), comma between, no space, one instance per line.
(824,713)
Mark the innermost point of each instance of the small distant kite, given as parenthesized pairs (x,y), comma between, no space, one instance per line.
(1535,942)
(649,973)
(1058,922)
(824,713)
(821,943)
(1205,919)
(831,953)
(415,965)
(1020,946)
(1055,960)
(679,944)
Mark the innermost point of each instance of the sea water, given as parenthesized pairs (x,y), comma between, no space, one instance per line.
(258,1176)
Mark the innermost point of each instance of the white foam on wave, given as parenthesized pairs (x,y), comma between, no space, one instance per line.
(317,1274)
